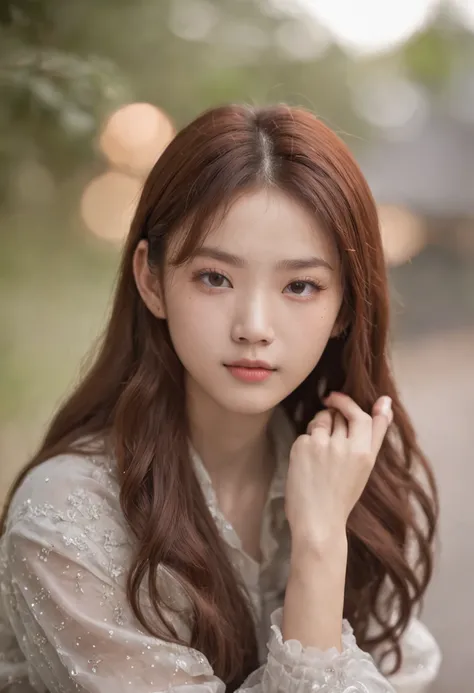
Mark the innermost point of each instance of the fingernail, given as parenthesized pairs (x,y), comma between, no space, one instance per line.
(386,406)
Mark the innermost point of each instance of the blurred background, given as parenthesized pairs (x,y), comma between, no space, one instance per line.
(90,94)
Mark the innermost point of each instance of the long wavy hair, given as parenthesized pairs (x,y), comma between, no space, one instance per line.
(133,393)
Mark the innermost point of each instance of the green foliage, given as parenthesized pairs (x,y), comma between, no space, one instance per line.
(429,57)
(63,67)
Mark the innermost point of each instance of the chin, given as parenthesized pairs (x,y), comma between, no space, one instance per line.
(249,403)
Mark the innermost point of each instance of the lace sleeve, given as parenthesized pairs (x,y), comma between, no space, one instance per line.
(295,669)
(64,599)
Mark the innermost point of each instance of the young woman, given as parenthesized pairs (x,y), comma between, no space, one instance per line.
(218,504)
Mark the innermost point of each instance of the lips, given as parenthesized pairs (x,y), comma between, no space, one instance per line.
(248,363)
(250,371)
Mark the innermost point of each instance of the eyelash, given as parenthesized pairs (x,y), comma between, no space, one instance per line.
(202,273)
(198,276)
(311,282)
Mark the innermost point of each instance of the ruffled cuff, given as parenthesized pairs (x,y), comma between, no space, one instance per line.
(292,668)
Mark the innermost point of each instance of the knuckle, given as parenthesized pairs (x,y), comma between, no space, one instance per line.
(301,444)
(323,418)
(339,447)
(320,439)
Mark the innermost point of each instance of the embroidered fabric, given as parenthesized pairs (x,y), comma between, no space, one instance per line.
(66,626)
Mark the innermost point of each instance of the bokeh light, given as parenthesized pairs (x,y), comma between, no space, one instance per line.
(134,137)
(465,11)
(299,41)
(371,26)
(404,234)
(389,101)
(193,20)
(108,205)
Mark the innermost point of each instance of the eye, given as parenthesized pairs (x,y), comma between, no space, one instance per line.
(303,288)
(213,279)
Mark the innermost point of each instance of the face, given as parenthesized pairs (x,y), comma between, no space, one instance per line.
(265,286)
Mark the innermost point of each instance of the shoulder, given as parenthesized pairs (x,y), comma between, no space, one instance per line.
(70,502)
(65,519)
(63,481)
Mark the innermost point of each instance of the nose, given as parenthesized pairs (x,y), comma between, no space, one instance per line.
(252,323)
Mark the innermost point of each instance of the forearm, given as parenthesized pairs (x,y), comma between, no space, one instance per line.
(314,600)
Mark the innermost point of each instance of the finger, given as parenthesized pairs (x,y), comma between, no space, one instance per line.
(359,423)
(322,422)
(382,418)
(383,407)
(340,426)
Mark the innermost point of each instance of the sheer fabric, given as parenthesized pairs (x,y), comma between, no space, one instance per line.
(65,624)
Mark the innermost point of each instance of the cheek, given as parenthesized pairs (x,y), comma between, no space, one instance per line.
(194,328)
(307,339)
(314,323)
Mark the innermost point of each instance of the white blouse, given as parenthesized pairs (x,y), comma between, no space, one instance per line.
(66,626)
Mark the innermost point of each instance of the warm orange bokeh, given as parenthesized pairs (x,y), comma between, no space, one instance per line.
(134,137)
(108,204)
(404,234)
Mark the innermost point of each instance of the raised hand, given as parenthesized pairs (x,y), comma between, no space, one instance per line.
(330,465)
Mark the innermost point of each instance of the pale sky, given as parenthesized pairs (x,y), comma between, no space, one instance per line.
(465,9)
(371,26)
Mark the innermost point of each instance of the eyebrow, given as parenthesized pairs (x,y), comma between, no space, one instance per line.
(236,261)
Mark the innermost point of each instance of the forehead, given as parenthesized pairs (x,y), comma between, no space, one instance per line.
(269,224)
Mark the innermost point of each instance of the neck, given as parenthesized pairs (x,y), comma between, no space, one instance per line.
(235,448)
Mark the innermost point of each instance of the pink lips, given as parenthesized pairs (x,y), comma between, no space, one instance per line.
(250,371)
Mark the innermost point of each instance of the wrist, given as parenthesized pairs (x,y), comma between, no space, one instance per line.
(309,547)
(314,598)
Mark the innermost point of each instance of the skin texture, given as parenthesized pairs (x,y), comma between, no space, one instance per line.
(220,310)
(254,311)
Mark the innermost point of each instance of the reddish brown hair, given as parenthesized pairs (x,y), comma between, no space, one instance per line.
(134,390)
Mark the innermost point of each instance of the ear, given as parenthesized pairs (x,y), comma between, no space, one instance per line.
(148,283)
